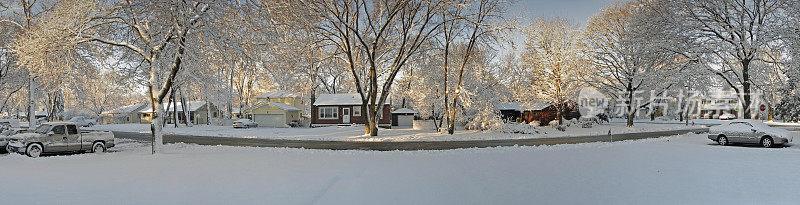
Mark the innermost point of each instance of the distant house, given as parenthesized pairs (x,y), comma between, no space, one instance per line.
(341,109)
(198,112)
(276,109)
(124,114)
(543,113)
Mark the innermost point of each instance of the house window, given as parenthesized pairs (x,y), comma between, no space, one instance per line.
(328,113)
(356,110)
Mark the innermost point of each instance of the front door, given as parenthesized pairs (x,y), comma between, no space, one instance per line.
(345,115)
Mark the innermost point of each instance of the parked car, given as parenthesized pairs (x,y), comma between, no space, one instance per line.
(244,123)
(5,135)
(57,137)
(727,116)
(83,121)
(749,132)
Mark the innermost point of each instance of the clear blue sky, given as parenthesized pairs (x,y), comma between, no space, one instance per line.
(576,10)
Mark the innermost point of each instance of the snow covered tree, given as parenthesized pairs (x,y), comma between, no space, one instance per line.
(730,36)
(552,47)
(627,59)
(376,39)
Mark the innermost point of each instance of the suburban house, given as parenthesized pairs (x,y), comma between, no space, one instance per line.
(345,109)
(539,112)
(276,109)
(403,117)
(198,112)
(124,114)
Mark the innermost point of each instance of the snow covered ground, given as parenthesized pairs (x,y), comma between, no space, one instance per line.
(356,133)
(686,169)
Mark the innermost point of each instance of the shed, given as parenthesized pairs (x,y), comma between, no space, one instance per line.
(403,117)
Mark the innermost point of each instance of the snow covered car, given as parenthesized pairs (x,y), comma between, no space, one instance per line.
(244,123)
(749,132)
(83,121)
(6,135)
(727,116)
(57,137)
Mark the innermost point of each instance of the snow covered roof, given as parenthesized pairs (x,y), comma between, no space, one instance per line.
(404,111)
(281,106)
(341,99)
(522,106)
(193,106)
(284,107)
(509,106)
(538,106)
(278,94)
(124,109)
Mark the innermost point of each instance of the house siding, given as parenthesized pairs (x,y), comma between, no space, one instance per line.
(385,120)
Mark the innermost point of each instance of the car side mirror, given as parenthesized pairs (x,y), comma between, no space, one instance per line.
(754,130)
(50,133)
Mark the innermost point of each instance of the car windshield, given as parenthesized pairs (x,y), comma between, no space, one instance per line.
(43,129)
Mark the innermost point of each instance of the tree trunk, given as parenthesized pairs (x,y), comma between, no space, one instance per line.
(31,103)
(746,89)
(185,109)
(208,112)
(174,108)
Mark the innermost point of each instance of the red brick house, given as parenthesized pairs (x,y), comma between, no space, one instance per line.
(344,109)
(541,112)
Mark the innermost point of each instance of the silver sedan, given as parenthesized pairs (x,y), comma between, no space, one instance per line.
(749,132)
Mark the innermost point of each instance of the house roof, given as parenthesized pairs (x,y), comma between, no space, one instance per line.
(193,106)
(341,99)
(278,94)
(37,113)
(124,109)
(509,106)
(404,111)
(523,106)
(281,106)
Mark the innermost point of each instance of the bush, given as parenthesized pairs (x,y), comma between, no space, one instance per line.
(518,128)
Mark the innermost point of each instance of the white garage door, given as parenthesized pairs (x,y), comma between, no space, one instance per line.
(405,120)
(270,120)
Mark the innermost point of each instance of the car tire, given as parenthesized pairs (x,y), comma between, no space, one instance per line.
(767,142)
(98,147)
(34,150)
(723,140)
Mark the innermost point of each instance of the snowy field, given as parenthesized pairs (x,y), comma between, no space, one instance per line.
(356,133)
(686,169)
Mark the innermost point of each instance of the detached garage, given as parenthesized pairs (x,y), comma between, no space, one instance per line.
(271,114)
(403,117)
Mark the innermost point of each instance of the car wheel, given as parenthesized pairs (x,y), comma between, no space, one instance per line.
(767,142)
(98,147)
(723,140)
(34,150)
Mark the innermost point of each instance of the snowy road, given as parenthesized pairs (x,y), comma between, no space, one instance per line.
(408,145)
(685,169)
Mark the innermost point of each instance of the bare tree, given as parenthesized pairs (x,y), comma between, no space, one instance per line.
(731,36)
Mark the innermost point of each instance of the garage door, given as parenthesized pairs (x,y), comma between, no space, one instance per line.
(405,120)
(270,120)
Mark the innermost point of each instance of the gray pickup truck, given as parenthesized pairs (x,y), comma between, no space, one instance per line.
(59,137)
